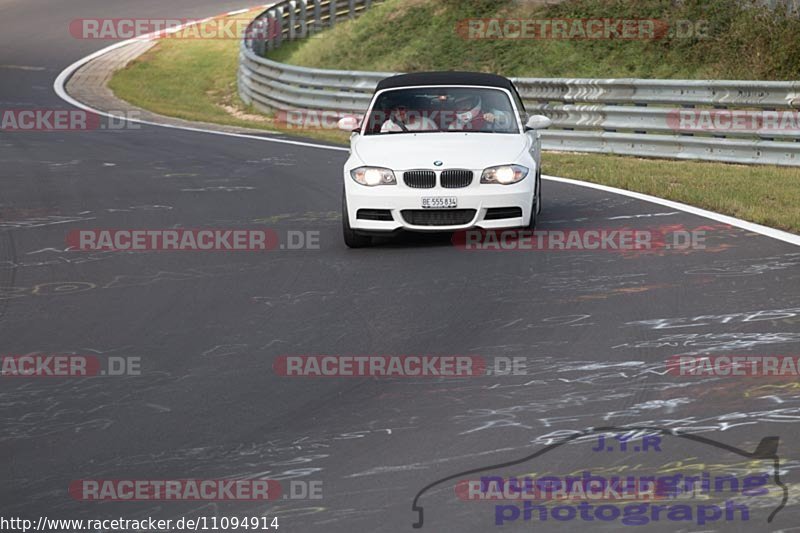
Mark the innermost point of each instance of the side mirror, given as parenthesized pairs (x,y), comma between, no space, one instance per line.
(349,123)
(538,122)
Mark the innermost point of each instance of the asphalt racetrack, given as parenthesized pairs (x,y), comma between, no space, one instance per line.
(594,327)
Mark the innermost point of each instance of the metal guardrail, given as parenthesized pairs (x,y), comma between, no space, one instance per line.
(752,122)
(790,7)
(296,19)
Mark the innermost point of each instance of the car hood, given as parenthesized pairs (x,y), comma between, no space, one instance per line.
(455,150)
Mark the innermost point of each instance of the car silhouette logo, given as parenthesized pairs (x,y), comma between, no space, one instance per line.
(767,448)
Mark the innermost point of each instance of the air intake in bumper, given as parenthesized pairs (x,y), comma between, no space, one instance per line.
(499,213)
(383,215)
(438,217)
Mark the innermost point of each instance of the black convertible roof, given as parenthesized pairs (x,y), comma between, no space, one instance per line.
(445,78)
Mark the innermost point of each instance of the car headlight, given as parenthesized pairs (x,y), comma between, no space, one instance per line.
(504,175)
(372,176)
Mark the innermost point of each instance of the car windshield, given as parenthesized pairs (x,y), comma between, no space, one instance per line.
(442,109)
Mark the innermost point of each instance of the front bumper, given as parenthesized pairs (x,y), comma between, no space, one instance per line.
(398,198)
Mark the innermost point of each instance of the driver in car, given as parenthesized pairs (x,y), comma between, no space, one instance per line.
(469,115)
(401,119)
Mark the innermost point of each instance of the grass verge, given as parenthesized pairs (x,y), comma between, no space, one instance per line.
(762,194)
(196,80)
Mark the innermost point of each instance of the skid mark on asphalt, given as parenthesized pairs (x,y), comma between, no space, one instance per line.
(706,343)
(226,350)
(67,259)
(65,288)
(786,315)
(277,161)
(426,464)
(626,291)
(748,266)
(590,285)
(17,219)
(619,217)
(153,207)
(40,222)
(276,458)
(220,188)
(541,403)
(319,216)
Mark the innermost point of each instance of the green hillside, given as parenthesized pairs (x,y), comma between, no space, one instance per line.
(406,35)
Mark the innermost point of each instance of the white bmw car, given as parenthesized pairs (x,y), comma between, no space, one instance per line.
(442,151)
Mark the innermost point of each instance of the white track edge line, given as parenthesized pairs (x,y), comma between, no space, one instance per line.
(784,236)
(59,86)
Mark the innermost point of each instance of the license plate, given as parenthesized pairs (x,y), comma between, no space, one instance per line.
(439,202)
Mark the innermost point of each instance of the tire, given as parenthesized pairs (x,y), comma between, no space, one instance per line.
(351,238)
(539,193)
(536,206)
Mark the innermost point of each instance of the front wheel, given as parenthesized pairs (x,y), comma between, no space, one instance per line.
(536,206)
(539,192)
(351,238)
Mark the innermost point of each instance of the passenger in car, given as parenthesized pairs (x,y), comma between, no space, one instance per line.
(470,116)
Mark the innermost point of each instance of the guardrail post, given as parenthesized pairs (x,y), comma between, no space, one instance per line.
(270,31)
(332,7)
(250,35)
(303,13)
(352,14)
(257,37)
(278,40)
(317,25)
(303,6)
(292,19)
